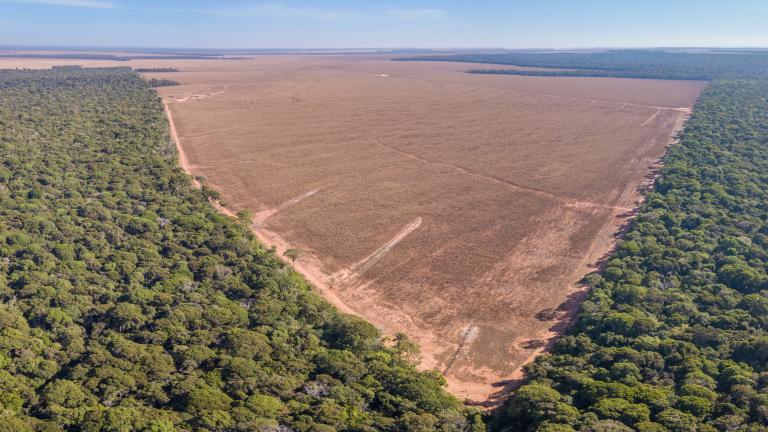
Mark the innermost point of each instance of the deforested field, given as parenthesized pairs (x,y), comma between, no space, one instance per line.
(459,209)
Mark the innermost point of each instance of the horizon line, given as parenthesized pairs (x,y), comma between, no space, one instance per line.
(430,48)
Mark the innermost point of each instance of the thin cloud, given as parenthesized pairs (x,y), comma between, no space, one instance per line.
(417,14)
(269,10)
(286,11)
(95,4)
(283,10)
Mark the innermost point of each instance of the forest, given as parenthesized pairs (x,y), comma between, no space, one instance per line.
(157,69)
(130,304)
(111,57)
(652,64)
(155,82)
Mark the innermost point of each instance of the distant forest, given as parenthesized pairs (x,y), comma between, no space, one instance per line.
(160,69)
(622,64)
(128,57)
(154,82)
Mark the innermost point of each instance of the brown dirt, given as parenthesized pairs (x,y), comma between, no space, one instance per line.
(519,186)
(309,270)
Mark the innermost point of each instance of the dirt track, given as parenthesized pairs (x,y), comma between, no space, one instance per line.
(309,271)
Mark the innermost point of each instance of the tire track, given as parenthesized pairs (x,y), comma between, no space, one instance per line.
(569,202)
(469,335)
(651,118)
(262,216)
(359,268)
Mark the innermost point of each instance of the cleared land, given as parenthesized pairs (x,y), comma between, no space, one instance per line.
(459,209)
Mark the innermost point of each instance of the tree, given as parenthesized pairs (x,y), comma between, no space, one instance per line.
(677,421)
(672,335)
(741,277)
(535,403)
(245,217)
(412,422)
(293,254)
(407,348)
(622,410)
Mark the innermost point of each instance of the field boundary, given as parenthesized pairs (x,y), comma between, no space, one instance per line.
(311,273)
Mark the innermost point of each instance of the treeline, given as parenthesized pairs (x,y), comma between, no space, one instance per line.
(674,335)
(66,56)
(160,69)
(599,73)
(129,304)
(113,57)
(653,64)
(155,82)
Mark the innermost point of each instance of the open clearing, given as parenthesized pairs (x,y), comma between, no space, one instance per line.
(459,209)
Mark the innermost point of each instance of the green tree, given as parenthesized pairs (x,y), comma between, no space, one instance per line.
(293,254)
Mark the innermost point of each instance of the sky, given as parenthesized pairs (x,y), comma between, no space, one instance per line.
(384,24)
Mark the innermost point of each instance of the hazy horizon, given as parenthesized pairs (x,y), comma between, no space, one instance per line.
(345,24)
(19,47)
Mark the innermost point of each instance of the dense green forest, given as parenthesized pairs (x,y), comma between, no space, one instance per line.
(655,64)
(130,304)
(674,336)
(155,82)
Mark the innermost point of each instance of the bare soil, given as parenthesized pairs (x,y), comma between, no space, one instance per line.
(459,209)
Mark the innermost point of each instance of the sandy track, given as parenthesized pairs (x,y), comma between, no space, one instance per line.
(359,268)
(469,336)
(183,161)
(652,117)
(260,217)
(198,96)
(310,270)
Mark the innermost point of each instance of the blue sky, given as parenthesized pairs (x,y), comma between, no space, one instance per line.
(393,23)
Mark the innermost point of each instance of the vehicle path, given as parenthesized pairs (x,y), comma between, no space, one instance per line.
(261,216)
(469,335)
(360,267)
(569,202)
(310,270)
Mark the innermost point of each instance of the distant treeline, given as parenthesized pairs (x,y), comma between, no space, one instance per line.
(148,70)
(154,82)
(74,56)
(652,64)
(593,73)
(91,56)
